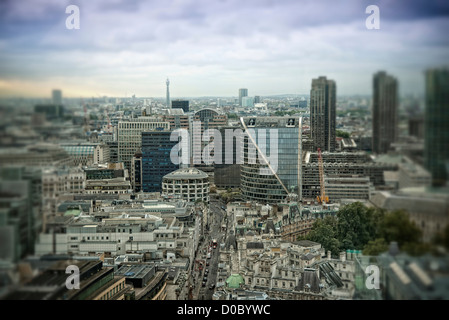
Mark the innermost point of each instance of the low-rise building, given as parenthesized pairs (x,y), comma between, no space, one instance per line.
(427,207)
(189,184)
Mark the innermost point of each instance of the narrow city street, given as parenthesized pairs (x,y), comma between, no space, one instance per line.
(205,277)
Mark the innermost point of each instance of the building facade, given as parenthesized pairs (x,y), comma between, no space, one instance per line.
(130,135)
(156,161)
(277,138)
(436,135)
(180,104)
(385,112)
(242,93)
(189,184)
(323,97)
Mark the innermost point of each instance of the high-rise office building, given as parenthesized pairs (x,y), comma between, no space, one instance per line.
(167,82)
(436,125)
(278,139)
(323,113)
(247,102)
(242,93)
(180,104)
(385,112)
(57,97)
(227,173)
(156,161)
(129,136)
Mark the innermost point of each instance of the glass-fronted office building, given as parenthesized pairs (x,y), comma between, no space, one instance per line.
(277,138)
(156,162)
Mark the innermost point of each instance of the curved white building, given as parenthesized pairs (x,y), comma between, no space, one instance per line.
(189,184)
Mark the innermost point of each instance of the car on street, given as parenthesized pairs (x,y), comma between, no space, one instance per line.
(204,284)
(212,286)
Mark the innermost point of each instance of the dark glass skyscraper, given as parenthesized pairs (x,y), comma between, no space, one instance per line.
(323,115)
(385,112)
(436,125)
(156,162)
(227,173)
(180,104)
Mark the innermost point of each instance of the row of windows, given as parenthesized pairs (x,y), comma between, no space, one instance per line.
(116,289)
(276,283)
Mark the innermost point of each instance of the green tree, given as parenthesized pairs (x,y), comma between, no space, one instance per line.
(397,226)
(357,225)
(375,247)
(342,134)
(323,232)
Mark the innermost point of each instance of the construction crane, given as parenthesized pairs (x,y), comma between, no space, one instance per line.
(107,117)
(322,198)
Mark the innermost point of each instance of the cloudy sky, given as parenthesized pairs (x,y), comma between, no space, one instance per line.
(214,47)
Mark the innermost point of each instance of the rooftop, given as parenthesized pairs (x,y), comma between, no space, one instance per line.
(186,173)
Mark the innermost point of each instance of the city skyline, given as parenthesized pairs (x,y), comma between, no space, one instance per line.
(214,48)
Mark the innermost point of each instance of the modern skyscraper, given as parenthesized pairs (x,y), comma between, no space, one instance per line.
(130,136)
(167,82)
(436,125)
(227,173)
(278,139)
(242,93)
(385,112)
(323,113)
(57,97)
(156,161)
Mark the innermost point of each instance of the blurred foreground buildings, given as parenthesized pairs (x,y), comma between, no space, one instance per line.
(91,183)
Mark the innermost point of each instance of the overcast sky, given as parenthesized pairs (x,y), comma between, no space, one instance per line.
(213,48)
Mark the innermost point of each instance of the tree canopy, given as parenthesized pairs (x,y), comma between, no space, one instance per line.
(342,134)
(324,232)
(357,227)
